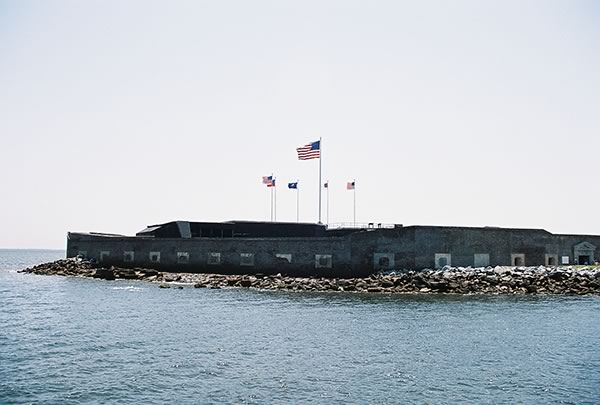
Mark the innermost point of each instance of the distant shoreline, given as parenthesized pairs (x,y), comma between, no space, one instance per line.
(34,249)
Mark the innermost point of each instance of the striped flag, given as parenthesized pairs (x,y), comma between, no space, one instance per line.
(350,185)
(309,151)
(269,181)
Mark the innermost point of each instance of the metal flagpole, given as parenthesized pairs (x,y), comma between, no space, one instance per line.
(320,186)
(327,202)
(297,201)
(271,197)
(271,205)
(354,189)
(275,200)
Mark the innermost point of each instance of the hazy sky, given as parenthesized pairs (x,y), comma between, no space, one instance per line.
(119,114)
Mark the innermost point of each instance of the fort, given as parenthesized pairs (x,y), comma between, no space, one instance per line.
(307,249)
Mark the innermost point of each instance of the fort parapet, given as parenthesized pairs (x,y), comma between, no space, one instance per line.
(304,249)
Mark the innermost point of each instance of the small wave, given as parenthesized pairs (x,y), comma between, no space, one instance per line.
(128,288)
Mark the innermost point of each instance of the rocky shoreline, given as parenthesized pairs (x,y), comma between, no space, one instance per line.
(454,280)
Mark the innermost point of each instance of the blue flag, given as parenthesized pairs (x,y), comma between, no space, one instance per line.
(293,185)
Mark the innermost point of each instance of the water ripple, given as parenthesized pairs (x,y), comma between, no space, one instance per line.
(69,340)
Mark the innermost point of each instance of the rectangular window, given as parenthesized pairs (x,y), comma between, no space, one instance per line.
(565,260)
(104,254)
(214,258)
(323,261)
(517,259)
(481,260)
(128,256)
(246,259)
(183,257)
(155,257)
(551,259)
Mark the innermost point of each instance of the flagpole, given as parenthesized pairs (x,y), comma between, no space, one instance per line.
(275,199)
(271,199)
(271,205)
(354,189)
(327,202)
(297,202)
(320,186)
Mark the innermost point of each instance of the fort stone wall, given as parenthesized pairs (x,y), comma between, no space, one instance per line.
(434,247)
(330,257)
(356,254)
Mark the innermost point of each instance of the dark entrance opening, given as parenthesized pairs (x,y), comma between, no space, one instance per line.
(551,261)
(583,260)
(518,261)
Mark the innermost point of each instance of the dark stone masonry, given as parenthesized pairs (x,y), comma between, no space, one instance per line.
(573,280)
(316,250)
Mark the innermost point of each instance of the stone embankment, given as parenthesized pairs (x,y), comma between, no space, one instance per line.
(458,280)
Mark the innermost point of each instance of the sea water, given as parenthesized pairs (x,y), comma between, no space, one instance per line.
(70,340)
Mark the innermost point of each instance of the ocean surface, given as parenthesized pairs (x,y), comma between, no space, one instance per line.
(69,341)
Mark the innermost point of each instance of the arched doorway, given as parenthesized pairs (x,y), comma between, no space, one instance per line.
(442,259)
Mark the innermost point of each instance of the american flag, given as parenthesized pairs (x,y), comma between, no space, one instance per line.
(350,185)
(269,181)
(309,151)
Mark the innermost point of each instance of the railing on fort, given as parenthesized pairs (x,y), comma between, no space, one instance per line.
(365,225)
